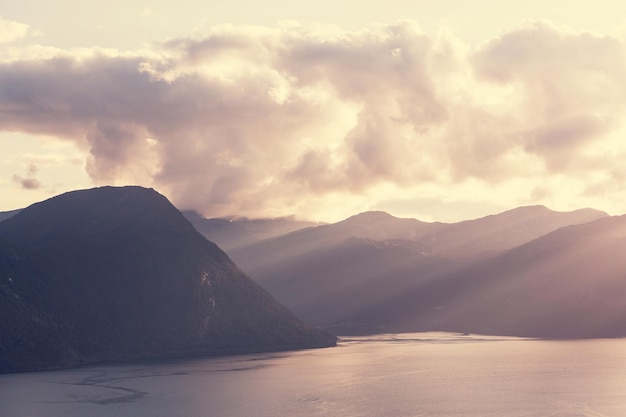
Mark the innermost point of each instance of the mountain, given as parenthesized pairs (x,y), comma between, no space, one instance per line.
(570,283)
(350,275)
(343,283)
(8,214)
(231,233)
(118,274)
(373,225)
(505,230)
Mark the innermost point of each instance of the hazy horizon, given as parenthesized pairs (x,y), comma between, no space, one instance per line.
(441,112)
(296,217)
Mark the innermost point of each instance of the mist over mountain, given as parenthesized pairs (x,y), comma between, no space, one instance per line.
(117,274)
(233,233)
(375,272)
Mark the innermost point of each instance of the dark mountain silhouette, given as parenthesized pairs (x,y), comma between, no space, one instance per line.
(352,274)
(117,274)
(8,214)
(232,233)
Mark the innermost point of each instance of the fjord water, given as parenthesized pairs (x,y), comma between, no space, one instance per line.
(419,374)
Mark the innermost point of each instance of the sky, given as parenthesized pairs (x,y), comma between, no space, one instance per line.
(441,111)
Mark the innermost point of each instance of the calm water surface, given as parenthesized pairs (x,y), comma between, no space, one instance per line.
(420,374)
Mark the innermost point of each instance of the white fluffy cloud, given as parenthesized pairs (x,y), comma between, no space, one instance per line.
(11,31)
(271,121)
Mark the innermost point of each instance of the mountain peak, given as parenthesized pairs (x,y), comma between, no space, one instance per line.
(373,215)
(117,274)
(103,210)
(539,209)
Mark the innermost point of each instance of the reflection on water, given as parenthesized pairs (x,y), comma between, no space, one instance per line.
(419,374)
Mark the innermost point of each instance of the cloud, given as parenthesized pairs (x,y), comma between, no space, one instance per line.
(571,87)
(11,31)
(29,182)
(259,121)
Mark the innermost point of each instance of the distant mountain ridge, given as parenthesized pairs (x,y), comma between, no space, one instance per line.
(374,272)
(237,232)
(467,238)
(117,274)
(505,230)
(570,283)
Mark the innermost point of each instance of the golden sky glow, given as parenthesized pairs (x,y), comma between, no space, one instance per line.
(442,111)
